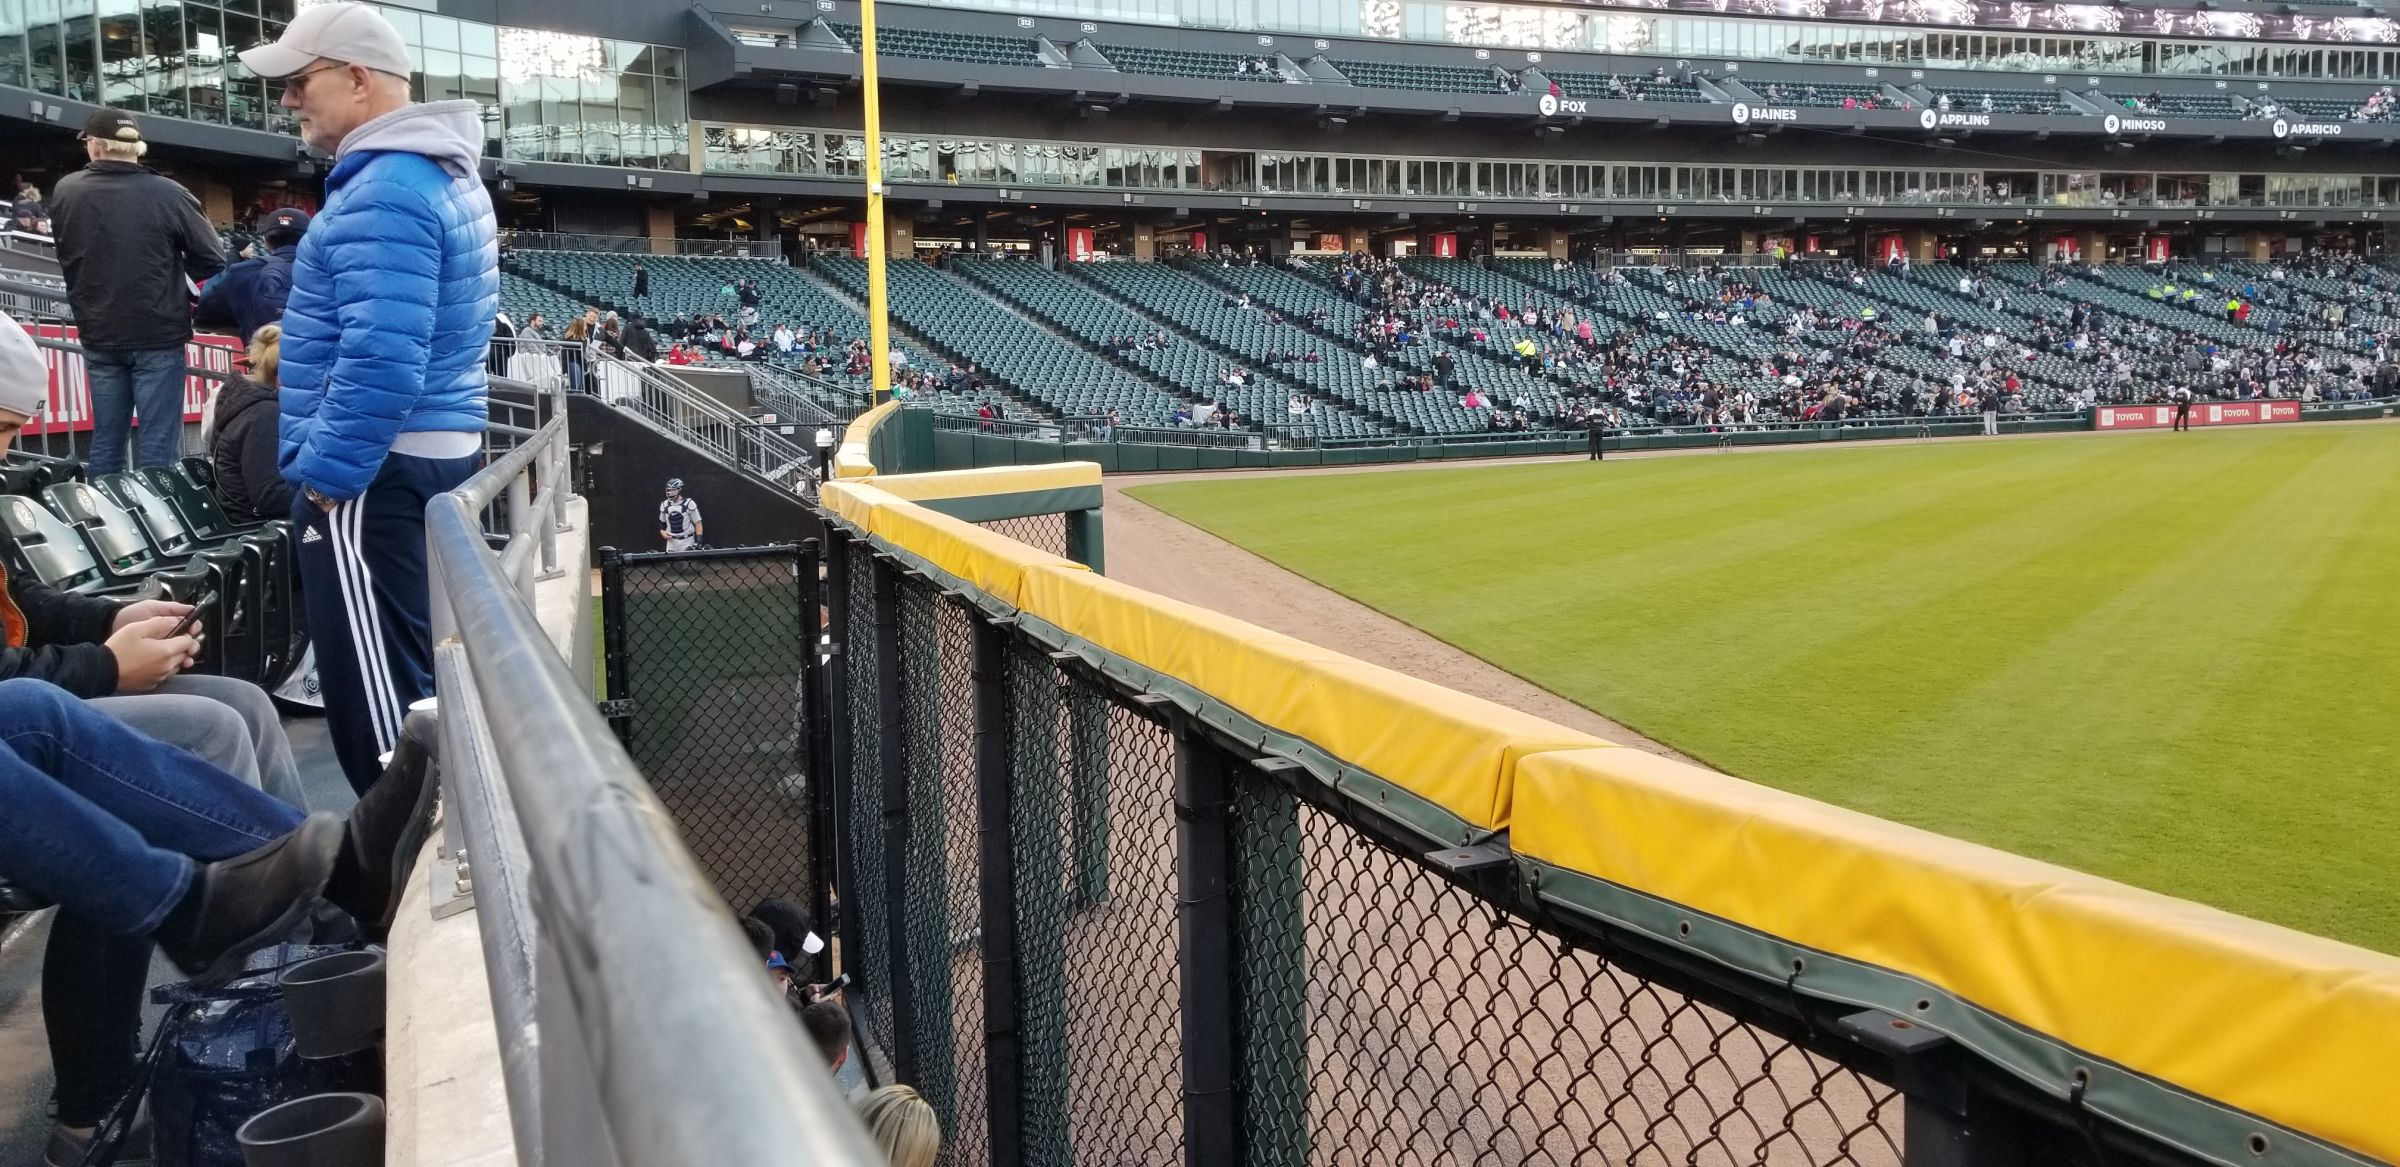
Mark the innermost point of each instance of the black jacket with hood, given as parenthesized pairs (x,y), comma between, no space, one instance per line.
(242,444)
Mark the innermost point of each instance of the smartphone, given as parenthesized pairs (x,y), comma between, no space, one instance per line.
(193,617)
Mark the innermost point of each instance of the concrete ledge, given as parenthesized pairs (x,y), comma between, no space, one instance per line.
(447,1105)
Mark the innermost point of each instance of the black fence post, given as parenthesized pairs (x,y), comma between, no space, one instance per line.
(1205,946)
(1940,1125)
(843,607)
(615,663)
(1003,1052)
(891,766)
(1271,926)
(818,710)
(1038,800)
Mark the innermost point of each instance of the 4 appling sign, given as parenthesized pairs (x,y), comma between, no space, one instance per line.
(1931,119)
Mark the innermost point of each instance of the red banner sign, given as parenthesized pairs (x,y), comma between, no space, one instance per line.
(2158,417)
(71,390)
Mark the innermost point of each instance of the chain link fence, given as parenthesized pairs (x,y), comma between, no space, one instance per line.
(706,676)
(1095,899)
(1396,1018)
(1382,1012)
(1093,928)
(1042,532)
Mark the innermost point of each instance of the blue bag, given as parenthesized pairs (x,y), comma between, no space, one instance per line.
(222,1055)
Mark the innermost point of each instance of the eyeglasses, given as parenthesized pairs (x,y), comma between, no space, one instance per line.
(297,83)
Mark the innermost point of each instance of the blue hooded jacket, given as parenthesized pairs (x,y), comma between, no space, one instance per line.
(392,300)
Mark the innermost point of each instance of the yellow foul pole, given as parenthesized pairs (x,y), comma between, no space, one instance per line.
(879,328)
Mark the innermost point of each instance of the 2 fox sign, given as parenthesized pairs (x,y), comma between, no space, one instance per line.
(1552,106)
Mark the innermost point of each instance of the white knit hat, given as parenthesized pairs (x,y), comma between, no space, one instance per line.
(24,376)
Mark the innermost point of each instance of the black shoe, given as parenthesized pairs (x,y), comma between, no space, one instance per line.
(386,830)
(239,905)
(68,1149)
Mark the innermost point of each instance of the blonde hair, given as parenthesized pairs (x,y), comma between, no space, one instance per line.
(902,1125)
(265,349)
(266,353)
(117,151)
(576,330)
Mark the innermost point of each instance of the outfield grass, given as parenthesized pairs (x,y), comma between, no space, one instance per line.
(2168,659)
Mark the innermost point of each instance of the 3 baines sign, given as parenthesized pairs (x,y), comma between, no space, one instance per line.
(1745,113)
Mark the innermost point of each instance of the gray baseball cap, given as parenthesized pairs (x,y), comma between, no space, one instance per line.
(24,375)
(353,34)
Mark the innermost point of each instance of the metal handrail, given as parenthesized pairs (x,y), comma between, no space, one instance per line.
(825,400)
(635,1026)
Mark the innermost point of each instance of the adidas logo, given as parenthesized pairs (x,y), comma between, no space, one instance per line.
(312,535)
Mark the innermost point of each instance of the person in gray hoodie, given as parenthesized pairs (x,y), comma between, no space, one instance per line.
(394,294)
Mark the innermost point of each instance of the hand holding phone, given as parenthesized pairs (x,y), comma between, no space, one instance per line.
(191,619)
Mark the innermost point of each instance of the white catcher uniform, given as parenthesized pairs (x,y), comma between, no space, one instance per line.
(679,517)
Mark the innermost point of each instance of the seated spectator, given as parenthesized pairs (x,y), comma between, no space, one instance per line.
(902,1125)
(28,215)
(157,842)
(242,442)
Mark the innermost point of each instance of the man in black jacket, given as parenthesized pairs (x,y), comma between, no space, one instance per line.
(131,241)
(637,341)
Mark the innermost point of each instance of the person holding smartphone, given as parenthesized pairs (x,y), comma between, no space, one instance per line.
(129,659)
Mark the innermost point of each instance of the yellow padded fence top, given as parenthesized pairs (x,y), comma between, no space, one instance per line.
(850,459)
(2292,1028)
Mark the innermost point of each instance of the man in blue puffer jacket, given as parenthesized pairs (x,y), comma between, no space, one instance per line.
(393,296)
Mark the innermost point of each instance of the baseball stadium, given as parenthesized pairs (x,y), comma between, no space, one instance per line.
(1279,583)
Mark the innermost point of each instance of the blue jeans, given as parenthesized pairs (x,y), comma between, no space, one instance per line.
(110,824)
(124,382)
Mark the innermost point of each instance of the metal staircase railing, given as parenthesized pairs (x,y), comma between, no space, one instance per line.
(759,449)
